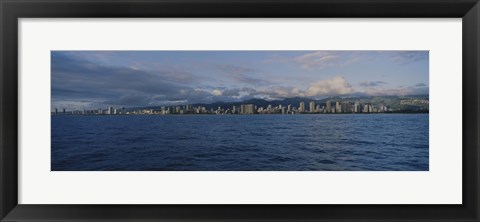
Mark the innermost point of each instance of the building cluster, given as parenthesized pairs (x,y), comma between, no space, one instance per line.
(245,109)
(414,102)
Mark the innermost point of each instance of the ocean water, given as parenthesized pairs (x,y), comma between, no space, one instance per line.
(345,142)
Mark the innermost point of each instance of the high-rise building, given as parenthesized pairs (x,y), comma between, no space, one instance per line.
(247,109)
(346,107)
(56,111)
(356,107)
(123,111)
(289,108)
(383,108)
(302,107)
(365,108)
(312,106)
(329,106)
(64,112)
(338,107)
(110,110)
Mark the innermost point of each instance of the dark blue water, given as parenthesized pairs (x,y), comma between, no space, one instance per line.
(376,142)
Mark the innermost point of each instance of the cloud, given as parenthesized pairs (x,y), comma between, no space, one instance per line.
(322,59)
(318,59)
(407,57)
(129,59)
(242,74)
(372,83)
(235,69)
(283,92)
(217,92)
(177,75)
(130,100)
(420,85)
(239,92)
(79,84)
(330,87)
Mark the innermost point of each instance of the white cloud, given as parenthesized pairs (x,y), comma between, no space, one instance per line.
(320,59)
(330,87)
(282,92)
(216,92)
(317,59)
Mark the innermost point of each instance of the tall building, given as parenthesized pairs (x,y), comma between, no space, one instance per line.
(289,108)
(247,109)
(365,108)
(110,110)
(123,111)
(338,107)
(302,107)
(312,106)
(250,108)
(356,107)
(346,107)
(56,111)
(64,112)
(328,106)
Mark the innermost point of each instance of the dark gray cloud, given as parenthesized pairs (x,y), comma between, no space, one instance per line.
(372,83)
(420,85)
(130,100)
(75,81)
(232,92)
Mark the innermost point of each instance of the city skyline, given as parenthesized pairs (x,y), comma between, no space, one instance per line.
(329,106)
(90,79)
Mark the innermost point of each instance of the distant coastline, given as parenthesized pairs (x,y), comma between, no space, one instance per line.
(303,106)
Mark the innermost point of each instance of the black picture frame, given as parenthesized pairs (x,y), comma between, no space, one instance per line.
(12,10)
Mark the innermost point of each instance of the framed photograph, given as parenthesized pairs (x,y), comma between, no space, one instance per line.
(239,110)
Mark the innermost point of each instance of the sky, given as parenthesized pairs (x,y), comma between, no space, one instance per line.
(100,79)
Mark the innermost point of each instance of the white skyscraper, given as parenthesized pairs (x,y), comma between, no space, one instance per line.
(302,107)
